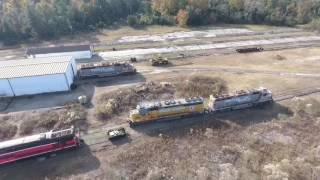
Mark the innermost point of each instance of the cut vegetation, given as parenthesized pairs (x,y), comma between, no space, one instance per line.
(58,119)
(123,100)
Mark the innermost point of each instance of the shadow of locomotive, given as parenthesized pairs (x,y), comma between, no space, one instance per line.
(244,117)
(256,115)
(119,80)
(65,163)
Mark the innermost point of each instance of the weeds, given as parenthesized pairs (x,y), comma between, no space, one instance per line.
(27,127)
(49,120)
(7,131)
(201,86)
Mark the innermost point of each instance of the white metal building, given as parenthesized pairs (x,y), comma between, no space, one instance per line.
(78,52)
(36,76)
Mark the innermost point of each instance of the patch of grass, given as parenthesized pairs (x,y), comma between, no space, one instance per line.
(314,25)
(106,110)
(54,119)
(47,120)
(201,86)
(7,131)
(309,107)
(27,127)
(280,57)
(72,114)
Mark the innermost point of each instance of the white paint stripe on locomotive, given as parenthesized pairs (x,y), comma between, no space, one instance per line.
(28,149)
(66,147)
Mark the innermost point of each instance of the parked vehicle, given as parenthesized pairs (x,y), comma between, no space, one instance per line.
(249,50)
(116,133)
(159,61)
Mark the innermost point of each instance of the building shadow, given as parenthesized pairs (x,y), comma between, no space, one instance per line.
(64,164)
(118,80)
(85,87)
(49,100)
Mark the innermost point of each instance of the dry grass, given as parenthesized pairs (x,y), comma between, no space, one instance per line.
(201,86)
(280,57)
(107,110)
(7,131)
(125,99)
(27,127)
(57,119)
(270,150)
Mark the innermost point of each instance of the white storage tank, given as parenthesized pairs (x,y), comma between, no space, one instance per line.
(36,76)
(78,52)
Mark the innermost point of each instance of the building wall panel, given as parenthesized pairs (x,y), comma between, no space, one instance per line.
(5,89)
(70,74)
(39,84)
(76,54)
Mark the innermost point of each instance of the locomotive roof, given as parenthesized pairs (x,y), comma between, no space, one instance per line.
(32,138)
(171,103)
(103,64)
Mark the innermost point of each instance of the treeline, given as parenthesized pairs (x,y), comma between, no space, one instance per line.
(25,19)
(43,19)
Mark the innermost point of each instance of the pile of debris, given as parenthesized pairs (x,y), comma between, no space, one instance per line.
(127,98)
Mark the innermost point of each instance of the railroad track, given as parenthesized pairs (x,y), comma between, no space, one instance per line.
(98,139)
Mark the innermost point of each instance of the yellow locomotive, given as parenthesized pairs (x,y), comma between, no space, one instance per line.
(162,110)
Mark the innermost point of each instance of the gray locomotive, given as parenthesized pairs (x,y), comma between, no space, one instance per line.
(240,100)
(105,69)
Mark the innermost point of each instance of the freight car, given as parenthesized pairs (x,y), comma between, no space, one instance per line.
(164,110)
(105,69)
(172,109)
(39,144)
(249,50)
(240,100)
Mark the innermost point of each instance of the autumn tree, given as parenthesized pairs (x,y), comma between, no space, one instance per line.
(182,17)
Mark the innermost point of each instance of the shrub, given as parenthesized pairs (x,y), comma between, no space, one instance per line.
(146,20)
(48,120)
(27,127)
(182,17)
(132,20)
(314,25)
(73,114)
(107,110)
(7,131)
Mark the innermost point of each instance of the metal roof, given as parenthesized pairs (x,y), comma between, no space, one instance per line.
(57,49)
(34,67)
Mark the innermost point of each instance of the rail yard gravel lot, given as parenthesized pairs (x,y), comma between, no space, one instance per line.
(278,141)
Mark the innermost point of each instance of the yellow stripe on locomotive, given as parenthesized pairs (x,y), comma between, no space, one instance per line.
(166,109)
